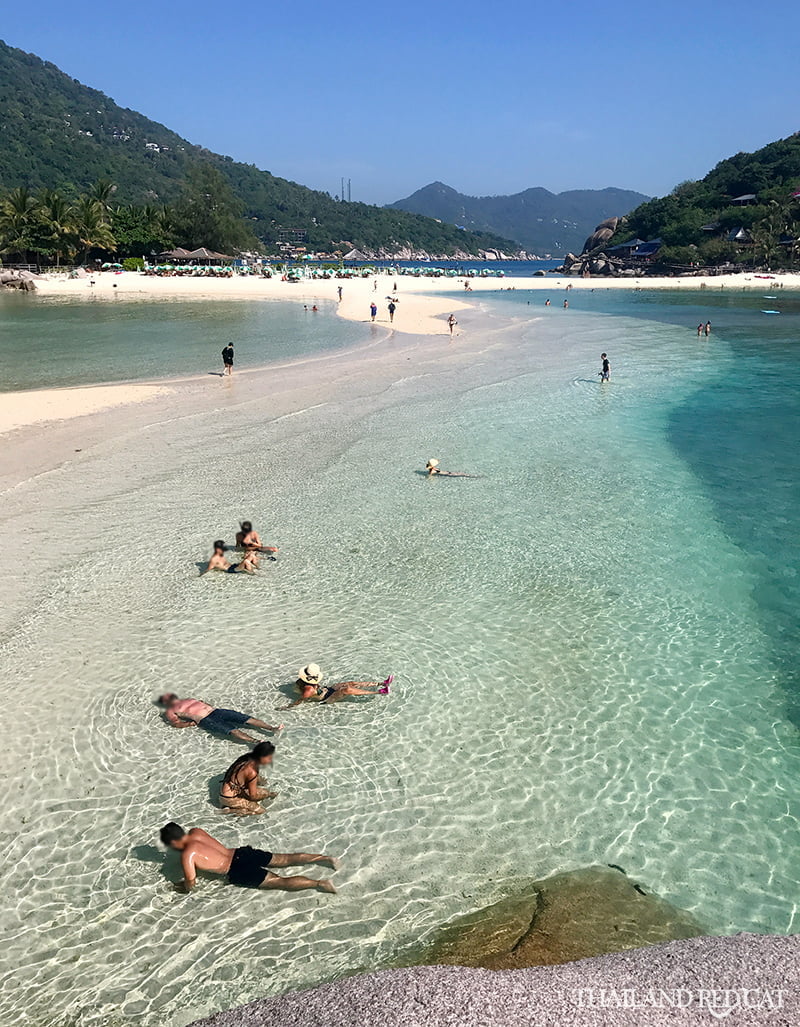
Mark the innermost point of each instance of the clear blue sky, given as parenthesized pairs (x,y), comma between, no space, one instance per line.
(489,97)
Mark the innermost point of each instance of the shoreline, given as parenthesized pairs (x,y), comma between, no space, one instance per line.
(423,307)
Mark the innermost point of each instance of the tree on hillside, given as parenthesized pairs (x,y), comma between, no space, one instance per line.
(209,214)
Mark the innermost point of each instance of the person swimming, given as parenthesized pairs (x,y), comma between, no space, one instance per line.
(432,467)
(309,685)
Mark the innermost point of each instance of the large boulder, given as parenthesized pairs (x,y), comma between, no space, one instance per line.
(569,916)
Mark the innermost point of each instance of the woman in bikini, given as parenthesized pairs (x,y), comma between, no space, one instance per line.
(309,685)
(241,792)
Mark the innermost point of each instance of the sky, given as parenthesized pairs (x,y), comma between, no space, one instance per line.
(489,98)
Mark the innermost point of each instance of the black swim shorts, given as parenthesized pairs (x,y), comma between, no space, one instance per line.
(222,722)
(249,867)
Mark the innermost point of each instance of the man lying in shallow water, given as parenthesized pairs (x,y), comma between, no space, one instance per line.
(195,712)
(241,792)
(245,866)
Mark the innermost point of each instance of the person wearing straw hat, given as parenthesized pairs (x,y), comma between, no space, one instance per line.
(309,685)
(432,467)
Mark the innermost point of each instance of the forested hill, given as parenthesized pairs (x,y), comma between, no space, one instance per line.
(544,222)
(747,199)
(56,133)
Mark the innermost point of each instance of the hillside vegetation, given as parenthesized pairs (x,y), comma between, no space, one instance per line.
(60,135)
(697,220)
(542,221)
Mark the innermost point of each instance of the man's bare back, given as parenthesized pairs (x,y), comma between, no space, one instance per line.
(245,866)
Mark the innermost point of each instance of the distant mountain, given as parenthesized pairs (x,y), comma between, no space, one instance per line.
(541,221)
(56,133)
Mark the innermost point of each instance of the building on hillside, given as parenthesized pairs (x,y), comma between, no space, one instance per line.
(293,236)
(739,235)
(744,200)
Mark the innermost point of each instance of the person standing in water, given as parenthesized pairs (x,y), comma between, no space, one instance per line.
(451,322)
(708,328)
(227,359)
(605,371)
(241,791)
(244,866)
(699,329)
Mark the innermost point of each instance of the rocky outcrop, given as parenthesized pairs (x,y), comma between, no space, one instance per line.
(24,280)
(569,916)
(600,235)
(592,259)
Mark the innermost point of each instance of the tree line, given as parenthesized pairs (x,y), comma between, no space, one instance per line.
(695,222)
(51,226)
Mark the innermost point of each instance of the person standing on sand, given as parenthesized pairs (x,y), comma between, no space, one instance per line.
(451,322)
(244,866)
(373,310)
(339,290)
(392,308)
(196,713)
(241,792)
(227,359)
(605,372)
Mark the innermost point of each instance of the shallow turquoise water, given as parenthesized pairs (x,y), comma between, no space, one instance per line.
(49,341)
(592,645)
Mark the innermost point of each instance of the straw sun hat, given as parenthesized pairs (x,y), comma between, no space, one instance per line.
(310,674)
(432,463)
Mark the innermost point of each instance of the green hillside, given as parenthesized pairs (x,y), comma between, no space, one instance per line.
(58,134)
(743,210)
(542,221)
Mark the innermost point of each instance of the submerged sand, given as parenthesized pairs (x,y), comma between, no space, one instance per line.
(423,306)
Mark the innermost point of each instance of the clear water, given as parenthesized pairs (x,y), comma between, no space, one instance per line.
(52,341)
(593,646)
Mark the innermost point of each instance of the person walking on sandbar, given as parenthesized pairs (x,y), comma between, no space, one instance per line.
(241,792)
(244,866)
(227,359)
(373,310)
(392,308)
(196,713)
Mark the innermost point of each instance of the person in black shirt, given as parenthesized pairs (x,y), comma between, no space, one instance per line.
(227,359)
(605,373)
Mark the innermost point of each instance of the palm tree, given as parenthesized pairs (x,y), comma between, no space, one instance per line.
(103,192)
(92,230)
(59,224)
(20,222)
